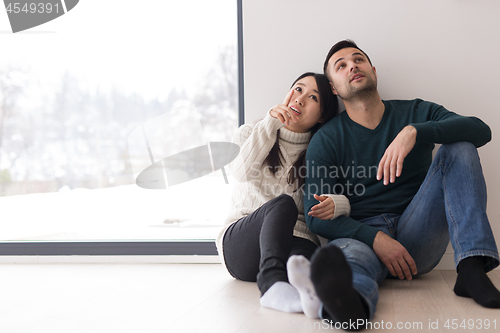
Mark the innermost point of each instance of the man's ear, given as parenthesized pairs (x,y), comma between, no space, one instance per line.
(375,71)
(333,89)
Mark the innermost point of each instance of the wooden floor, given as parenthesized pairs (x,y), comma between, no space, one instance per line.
(175,298)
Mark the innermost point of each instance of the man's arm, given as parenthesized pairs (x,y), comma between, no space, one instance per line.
(448,127)
(391,252)
(441,126)
(319,163)
(391,164)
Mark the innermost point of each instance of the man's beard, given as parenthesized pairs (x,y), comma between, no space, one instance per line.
(355,94)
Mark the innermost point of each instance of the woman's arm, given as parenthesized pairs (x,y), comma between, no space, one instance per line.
(255,144)
(330,206)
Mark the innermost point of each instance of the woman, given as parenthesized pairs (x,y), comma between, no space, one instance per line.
(266,224)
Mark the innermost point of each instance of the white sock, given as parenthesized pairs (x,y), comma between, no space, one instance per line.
(282,297)
(299,269)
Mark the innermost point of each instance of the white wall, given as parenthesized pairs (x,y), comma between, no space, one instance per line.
(445,51)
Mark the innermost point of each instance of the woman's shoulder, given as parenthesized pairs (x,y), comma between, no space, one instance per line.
(245,128)
(267,124)
(242,133)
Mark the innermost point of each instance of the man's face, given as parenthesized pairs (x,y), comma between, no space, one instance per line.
(352,74)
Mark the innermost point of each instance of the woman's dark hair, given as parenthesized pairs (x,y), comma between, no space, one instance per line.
(329,108)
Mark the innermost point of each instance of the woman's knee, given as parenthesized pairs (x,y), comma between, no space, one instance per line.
(286,203)
(241,267)
(243,275)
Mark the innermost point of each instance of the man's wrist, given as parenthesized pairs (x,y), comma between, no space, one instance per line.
(411,130)
(378,238)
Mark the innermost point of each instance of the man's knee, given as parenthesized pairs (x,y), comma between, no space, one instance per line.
(355,250)
(461,149)
(459,153)
(361,258)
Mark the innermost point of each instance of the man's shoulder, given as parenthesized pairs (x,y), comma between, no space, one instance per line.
(335,122)
(407,104)
(332,128)
(330,135)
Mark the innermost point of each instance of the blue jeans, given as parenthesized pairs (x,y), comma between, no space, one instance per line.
(450,205)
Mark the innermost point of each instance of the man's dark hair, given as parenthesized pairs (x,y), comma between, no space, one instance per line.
(343,44)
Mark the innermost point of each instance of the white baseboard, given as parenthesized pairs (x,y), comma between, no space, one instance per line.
(447,263)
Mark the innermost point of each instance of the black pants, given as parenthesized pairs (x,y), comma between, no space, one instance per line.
(257,247)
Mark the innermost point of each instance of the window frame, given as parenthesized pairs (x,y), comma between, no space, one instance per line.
(128,248)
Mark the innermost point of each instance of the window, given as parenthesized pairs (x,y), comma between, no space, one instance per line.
(92,98)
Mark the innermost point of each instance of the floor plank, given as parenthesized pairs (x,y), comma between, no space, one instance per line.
(164,304)
(420,302)
(228,310)
(160,298)
(470,310)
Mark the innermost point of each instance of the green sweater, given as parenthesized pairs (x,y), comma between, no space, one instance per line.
(343,156)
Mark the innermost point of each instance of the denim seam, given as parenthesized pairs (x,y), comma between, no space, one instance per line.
(344,246)
(382,272)
(420,198)
(390,226)
(475,253)
(368,300)
(456,242)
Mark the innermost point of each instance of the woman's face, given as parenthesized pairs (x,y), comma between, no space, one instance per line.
(306,105)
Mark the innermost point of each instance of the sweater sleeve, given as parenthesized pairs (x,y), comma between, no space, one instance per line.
(319,160)
(342,205)
(255,144)
(443,126)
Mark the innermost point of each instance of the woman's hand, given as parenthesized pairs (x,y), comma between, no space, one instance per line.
(325,209)
(282,112)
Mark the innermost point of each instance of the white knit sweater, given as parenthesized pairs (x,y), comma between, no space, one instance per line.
(256,185)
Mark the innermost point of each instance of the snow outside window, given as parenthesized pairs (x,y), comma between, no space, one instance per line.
(92,98)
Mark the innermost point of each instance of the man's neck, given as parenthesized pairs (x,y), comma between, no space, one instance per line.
(367,112)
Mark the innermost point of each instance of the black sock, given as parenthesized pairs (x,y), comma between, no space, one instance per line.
(332,279)
(473,282)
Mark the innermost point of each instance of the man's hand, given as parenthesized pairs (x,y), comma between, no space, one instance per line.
(391,164)
(394,256)
(325,209)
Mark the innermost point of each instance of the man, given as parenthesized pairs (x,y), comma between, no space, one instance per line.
(405,207)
